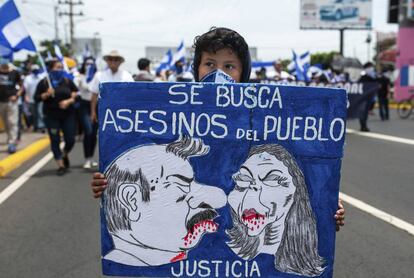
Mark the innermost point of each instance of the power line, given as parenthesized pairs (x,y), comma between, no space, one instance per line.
(71,14)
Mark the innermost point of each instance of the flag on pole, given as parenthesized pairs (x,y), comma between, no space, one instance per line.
(49,56)
(299,65)
(166,61)
(407,76)
(6,53)
(60,57)
(13,33)
(260,64)
(179,54)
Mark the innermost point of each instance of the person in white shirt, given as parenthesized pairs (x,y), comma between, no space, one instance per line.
(30,84)
(90,129)
(112,74)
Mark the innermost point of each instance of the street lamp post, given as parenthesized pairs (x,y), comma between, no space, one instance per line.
(368,41)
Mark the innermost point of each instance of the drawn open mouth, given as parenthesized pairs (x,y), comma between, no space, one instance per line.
(252,219)
(198,225)
(252,214)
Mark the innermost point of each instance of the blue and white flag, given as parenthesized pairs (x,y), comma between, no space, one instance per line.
(299,65)
(60,57)
(259,64)
(49,56)
(6,53)
(166,61)
(179,54)
(13,33)
(407,76)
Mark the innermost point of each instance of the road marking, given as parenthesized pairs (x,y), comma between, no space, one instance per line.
(395,221)
(11,188)
(381,136)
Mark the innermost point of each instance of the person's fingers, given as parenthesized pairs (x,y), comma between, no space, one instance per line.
(340,222)
(98,175)
(97,195)
(98,188)
(99,182)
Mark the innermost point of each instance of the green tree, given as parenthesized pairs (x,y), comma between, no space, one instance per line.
(48,45)
(323,58)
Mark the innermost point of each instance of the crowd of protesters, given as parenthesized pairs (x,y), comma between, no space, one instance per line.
(63,102)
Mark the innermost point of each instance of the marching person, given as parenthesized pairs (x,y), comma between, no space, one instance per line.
(59,112)
(144,73)
(90,128)
(10,90)
(30,84)
(112,74)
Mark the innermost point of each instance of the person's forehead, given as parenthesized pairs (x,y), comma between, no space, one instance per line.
(155,159)
(264,162)
(224,53)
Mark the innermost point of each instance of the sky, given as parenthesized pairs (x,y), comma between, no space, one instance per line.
(129,25)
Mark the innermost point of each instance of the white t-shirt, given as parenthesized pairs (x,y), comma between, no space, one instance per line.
(83,86)
(30,84)
(108,76)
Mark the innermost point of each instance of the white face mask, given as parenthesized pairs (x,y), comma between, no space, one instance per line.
(218,76)
(370,71)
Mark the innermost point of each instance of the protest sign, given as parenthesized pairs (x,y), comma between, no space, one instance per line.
(219,180)
(359,94)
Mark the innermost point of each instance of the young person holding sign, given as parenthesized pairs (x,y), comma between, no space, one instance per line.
(221,55)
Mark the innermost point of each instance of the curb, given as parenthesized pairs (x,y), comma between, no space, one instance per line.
(13,161)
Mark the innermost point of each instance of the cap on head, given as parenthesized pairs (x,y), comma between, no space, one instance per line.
(34,67)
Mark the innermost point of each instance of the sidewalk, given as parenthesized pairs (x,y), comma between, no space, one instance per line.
(31,143)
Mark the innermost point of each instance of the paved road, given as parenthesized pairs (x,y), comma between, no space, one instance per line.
(49,227)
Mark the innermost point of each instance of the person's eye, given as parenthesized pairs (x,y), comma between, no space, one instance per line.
(242,177)
(274,180)
(229,67)
(179,182)
(209,64)
(240,188)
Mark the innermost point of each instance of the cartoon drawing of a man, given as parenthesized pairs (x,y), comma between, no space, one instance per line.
(155,210)
(271,212)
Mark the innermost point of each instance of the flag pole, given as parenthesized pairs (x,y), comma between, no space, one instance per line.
(42,62)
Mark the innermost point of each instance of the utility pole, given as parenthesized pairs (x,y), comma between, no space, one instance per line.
(56,23)
(71,14)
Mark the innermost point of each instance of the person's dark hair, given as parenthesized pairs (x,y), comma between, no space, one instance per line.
(368,65)
(298,249)
(52,63)
(220,38)
(143,63)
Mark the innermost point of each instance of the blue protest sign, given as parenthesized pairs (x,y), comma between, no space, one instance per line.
(219,180)
(360,94)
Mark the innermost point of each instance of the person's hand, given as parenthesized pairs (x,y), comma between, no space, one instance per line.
(98,184)
(340,215)
(13,98)
(64,104)
(94,118)
(50,92)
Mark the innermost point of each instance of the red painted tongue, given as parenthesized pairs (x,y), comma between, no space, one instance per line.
(181,256)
